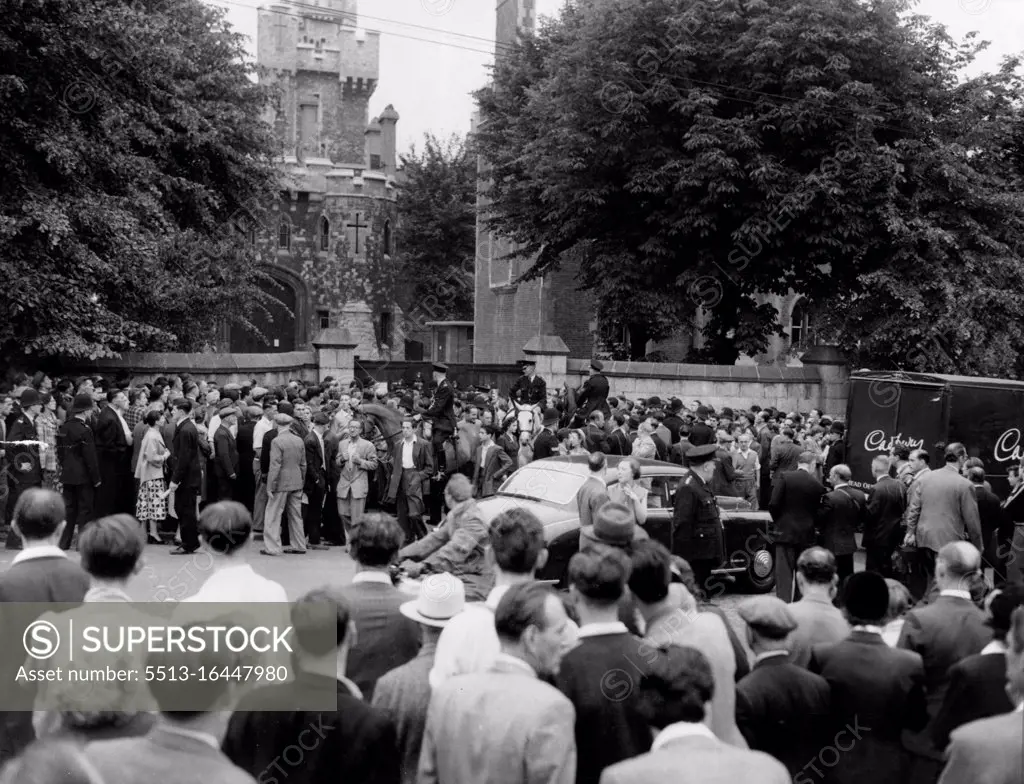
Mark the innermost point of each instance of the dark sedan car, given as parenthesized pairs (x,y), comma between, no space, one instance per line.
(548,489)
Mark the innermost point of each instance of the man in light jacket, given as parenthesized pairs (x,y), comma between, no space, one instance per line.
(284,489)
(356,460)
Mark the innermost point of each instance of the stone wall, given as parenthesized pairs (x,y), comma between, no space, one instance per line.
(737,386)
(267,369)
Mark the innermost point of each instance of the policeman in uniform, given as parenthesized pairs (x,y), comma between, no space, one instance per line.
(697,533)
(441,411)
(593,395)
(529,389)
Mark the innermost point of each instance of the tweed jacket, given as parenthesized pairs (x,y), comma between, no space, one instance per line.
(404,695)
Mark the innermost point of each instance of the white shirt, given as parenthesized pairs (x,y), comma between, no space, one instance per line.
(867,628)
(214,425)
(239,583)
(124,425)
(601,629)
(42,551)
(769,655)
(261,429)
(372,577)
(323,452)
(956,593)
(994,647)
(680,730)
(407,454)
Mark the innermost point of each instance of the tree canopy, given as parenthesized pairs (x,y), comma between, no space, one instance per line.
(691,153)
(437,229)
(131,143)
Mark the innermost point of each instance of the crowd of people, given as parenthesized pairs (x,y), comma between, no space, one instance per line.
(530,685)
(910,670)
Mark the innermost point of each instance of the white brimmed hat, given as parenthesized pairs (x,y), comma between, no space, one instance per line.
(442,597)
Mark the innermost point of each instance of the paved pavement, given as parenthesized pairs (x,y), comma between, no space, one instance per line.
(171,578)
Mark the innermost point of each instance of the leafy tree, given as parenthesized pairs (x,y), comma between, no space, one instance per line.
(436,240)
(131,144)
(700,154)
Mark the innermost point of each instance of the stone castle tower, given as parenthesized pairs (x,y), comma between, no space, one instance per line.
(335,218)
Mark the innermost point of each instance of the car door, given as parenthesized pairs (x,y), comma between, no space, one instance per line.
(659,509)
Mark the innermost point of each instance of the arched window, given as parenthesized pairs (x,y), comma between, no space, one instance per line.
(324,232)
(284,234)
(387,237)
(801,325)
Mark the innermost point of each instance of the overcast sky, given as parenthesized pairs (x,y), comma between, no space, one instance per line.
(430,80)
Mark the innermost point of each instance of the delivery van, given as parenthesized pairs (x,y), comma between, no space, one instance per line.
(923,411)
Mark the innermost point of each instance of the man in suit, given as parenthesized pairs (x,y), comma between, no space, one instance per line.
(247,456)
(113,448)
(404,693)
(385,638)
(25,467)
(988,751)
(593,494)
(990,518)
(702,434)
(1012,534)
(607,730)
(184,746)
(506,725)
(441,411)
(786,455)
(593,395)
(40,573)
(676,693)
(529,389)
(882,530)
(943,633)
(545,444)
(977,684)
(285,481)
(794,507)
(186,476)
(413,467)
(673,422)
(942,509)
(353,742)
(842,511)
(354,463)
(697,533)
(836,446)
(618,441)
(225,454)
(818,620)
(79,467)
(319,468)
(781,708)
(491,465)
(877,691)
(596,435)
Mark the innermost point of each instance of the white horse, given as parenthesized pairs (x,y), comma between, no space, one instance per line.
(528,417)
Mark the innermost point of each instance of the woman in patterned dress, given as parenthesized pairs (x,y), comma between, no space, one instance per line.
(46,432)
(151,508)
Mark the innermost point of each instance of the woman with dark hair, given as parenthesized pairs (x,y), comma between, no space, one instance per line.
(682,573)
(46,431)
(151,508)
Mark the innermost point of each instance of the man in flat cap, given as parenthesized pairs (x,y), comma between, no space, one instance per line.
(697,533)
(593,395)
(781,708)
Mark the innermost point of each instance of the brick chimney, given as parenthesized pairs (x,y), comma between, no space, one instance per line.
(388,139)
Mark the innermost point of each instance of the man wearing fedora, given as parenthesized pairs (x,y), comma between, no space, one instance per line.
(25,467)
(546,442)
(593,395)
(529,389)
(404,693)
(79,467)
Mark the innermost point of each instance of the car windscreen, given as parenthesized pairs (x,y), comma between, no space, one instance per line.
(544,484)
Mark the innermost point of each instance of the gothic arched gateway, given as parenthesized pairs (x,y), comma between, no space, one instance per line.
(285,329)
